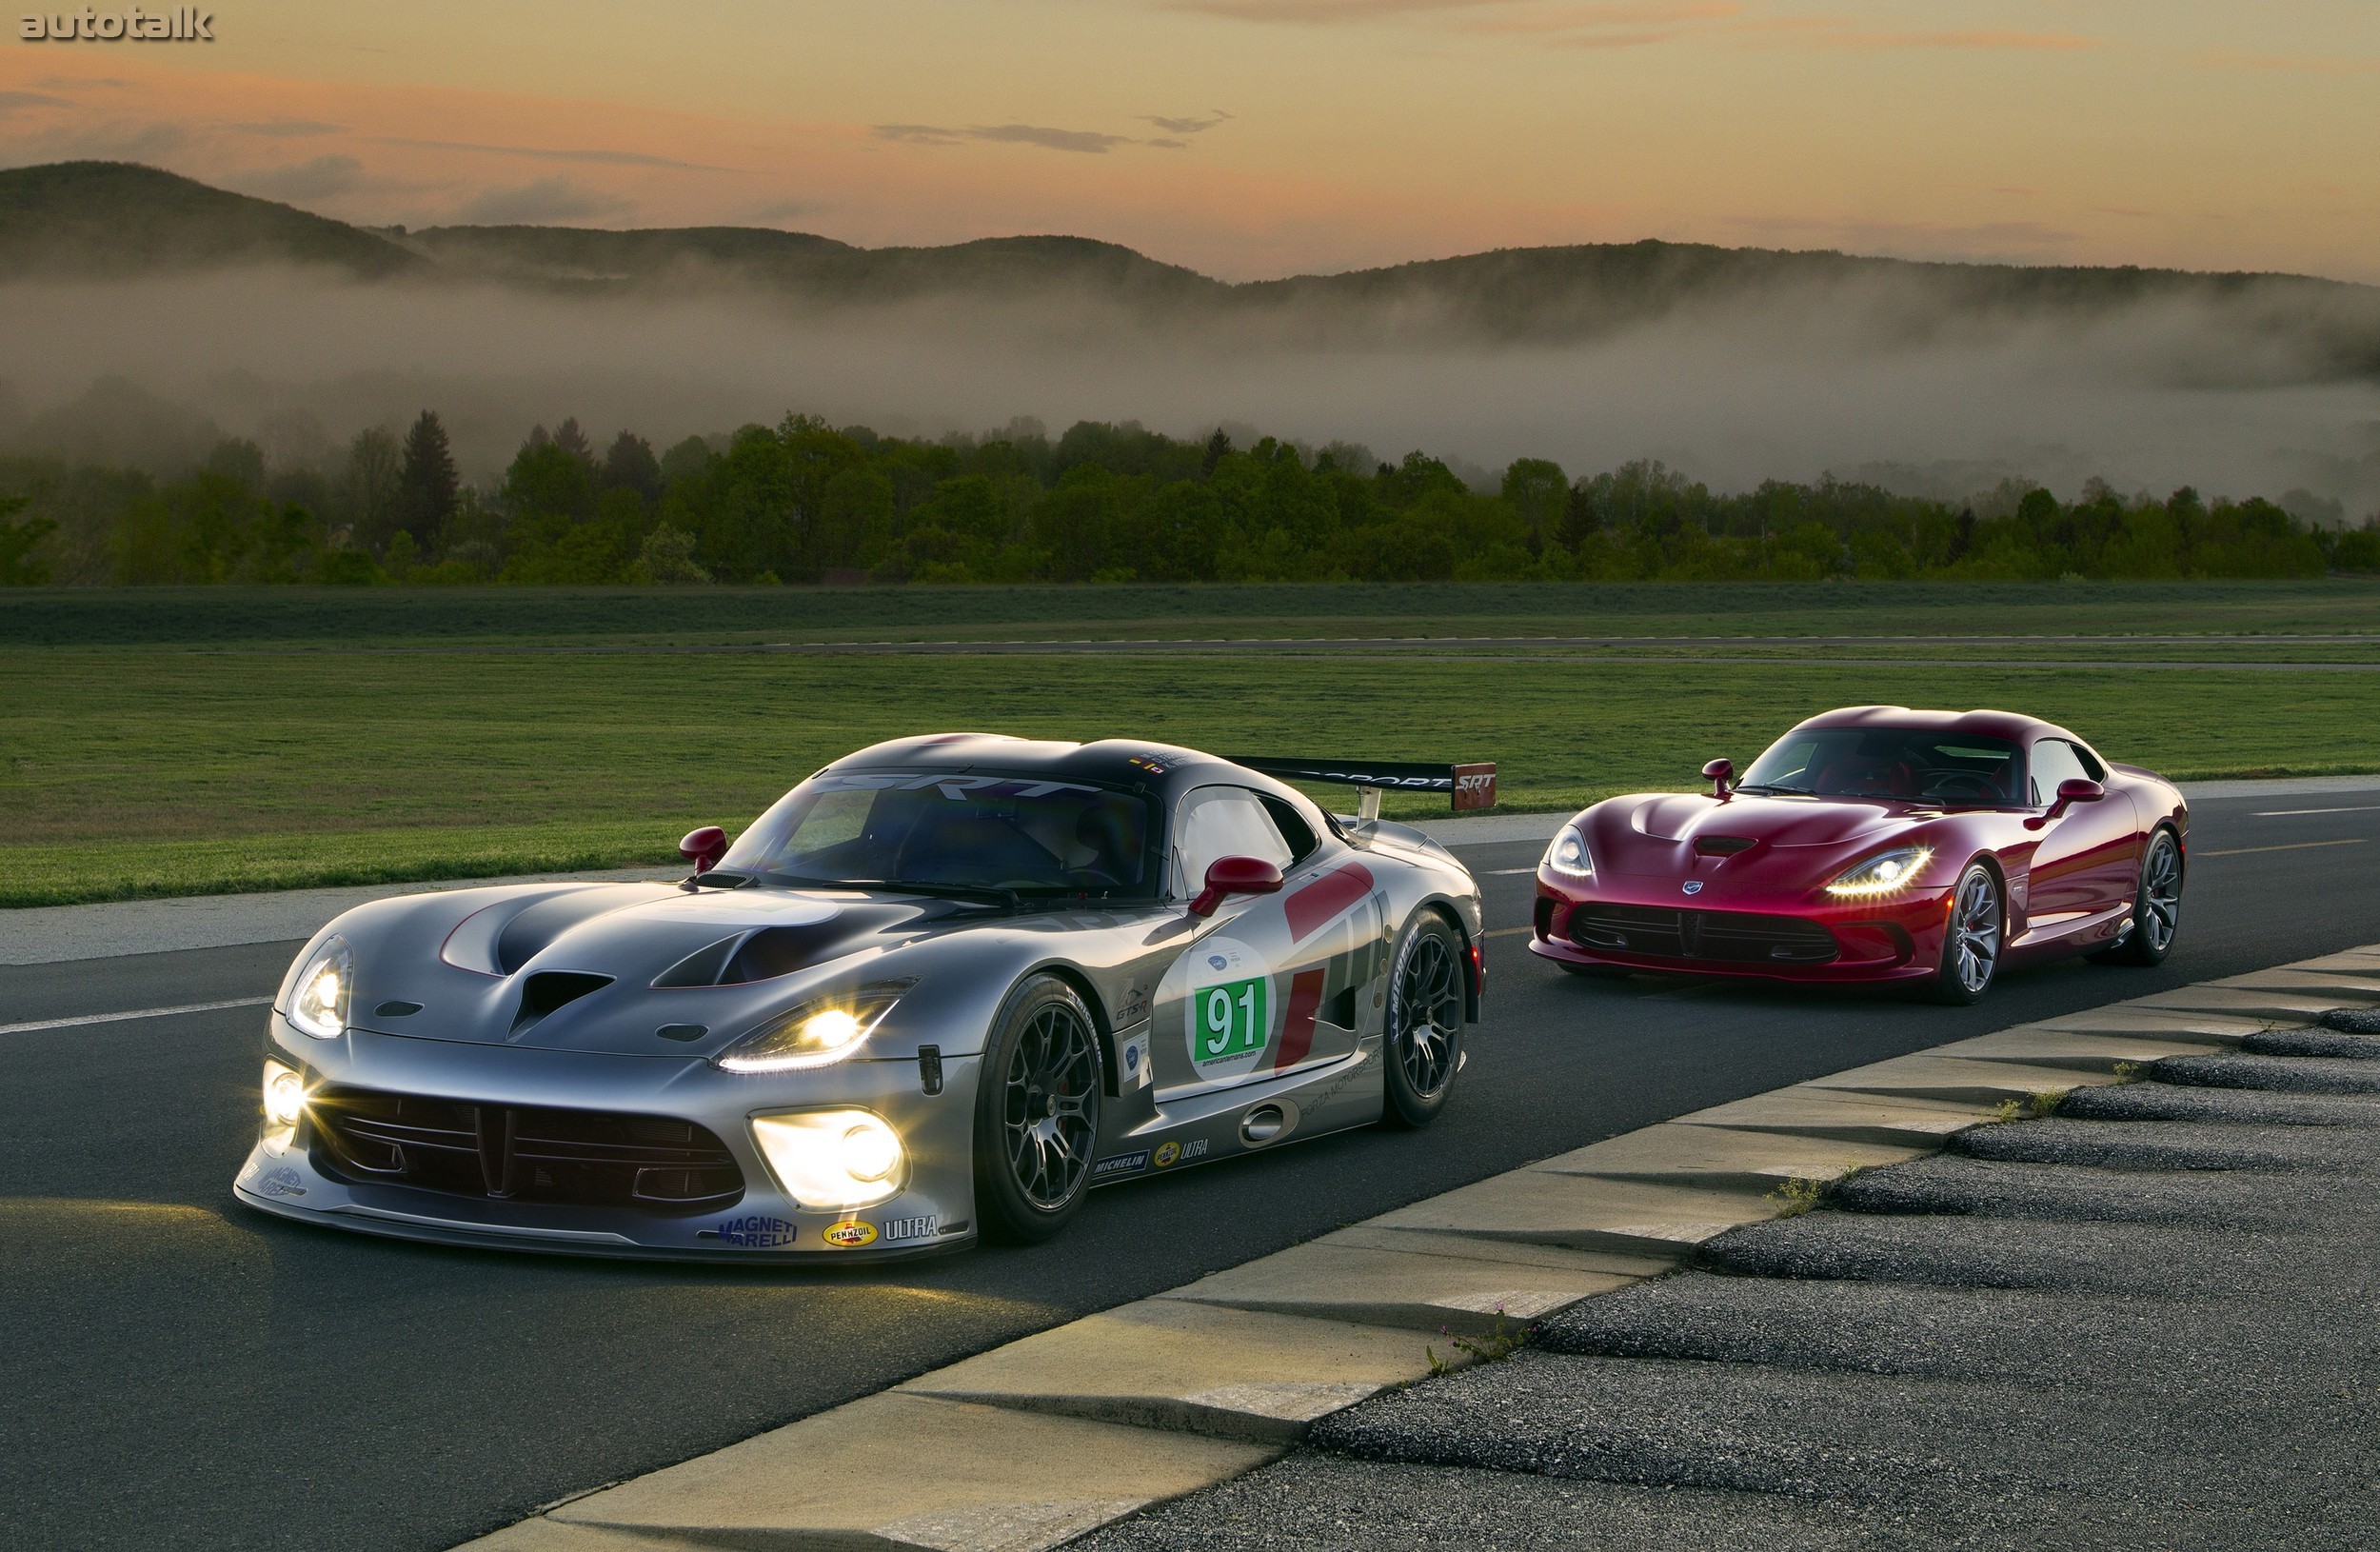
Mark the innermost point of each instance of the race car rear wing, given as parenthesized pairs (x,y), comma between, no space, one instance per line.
(1469,786)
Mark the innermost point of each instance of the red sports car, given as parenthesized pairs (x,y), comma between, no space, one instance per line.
(1876,844)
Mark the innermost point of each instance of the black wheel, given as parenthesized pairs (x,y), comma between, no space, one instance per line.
(1037,1112)
(1971,940)
(2156,910)
(1422,1045)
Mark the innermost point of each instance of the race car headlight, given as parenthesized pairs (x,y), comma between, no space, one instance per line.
(831,1159)
(817,1032)
(284,1094)
(1567,857)
(319,1003)
(1887,873)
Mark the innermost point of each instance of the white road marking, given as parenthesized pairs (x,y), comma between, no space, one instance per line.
(1505,872)
(135,1013)
(2293,845)
(2290,813)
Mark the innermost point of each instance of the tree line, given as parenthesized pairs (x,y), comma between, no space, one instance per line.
(806,502)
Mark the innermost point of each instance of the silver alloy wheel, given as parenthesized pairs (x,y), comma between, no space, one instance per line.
(1974,930)
(1049,1109)
(1429,1013)
(2161,894)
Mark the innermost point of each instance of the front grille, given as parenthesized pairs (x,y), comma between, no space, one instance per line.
(1728,937)
(522,1153)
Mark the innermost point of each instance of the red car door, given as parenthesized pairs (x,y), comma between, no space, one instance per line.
(2087,863)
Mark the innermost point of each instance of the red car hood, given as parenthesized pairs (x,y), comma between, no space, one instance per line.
(1657,832)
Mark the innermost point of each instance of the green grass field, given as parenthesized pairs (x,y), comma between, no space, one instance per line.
(176,742)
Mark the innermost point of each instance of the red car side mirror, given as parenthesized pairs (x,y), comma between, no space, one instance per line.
(2073,790)
(1719,773)
(1228,876)
(704,847)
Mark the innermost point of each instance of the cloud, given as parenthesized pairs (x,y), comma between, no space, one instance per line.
(775,210)
(1186,125)
(1850,34)
(1605,26)
(532,203)
(1085,142)
(318,179)
(600,158)
(2287,64)
(917,134)
(12,101)
(1320,10)
(287,129)
(116,141)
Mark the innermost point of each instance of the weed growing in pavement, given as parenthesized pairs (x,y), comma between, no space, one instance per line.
(2041,1102)
(1798,1194)
(2127,1072)
(1503,1342)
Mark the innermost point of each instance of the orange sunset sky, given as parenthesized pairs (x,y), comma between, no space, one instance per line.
(1251,138)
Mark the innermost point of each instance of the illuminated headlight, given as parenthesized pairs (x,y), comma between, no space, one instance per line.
(831,1159)
(1567,857)
(1885,874)
(811,1035)
(284,1094)
(318,1003)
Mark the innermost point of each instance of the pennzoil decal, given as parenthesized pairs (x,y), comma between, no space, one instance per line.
(1121,1163)
(1173,1153)
(850,1236)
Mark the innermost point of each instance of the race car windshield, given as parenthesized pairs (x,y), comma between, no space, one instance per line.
(1909,764)
(945,830)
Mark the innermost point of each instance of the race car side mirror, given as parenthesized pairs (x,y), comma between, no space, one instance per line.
(704,847)
(1719,773)
(2073,790)
(1228,876)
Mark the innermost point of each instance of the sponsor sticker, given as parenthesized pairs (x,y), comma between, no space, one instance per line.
(1135,1057)
(1173,1153)
(756,1232)
(925,1226)
(1121,1163)
(282,1182)
(850,1236)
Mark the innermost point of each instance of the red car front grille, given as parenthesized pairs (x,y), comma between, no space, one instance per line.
(1725,937)
(576,1157)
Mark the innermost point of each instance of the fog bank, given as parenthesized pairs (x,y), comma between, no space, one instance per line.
(1770,383)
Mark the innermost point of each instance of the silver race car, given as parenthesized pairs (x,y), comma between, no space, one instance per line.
(940,990)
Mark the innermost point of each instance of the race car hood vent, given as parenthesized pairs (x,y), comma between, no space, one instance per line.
(549,989)
(768,953)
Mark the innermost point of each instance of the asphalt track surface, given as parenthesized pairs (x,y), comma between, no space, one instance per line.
(178,1371)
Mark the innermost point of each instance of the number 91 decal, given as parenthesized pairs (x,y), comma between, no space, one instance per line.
(1229,1008)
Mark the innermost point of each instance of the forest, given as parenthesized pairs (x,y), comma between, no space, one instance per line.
(806,502)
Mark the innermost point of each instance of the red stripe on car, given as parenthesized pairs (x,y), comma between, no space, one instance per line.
(1297,1030)
(1323,899)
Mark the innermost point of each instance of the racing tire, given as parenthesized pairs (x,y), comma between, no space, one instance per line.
(1421,1039)
(1037,1113)
(2156,908)
(1972,939)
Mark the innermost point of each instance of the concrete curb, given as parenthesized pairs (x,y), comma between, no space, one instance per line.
(1045,1438)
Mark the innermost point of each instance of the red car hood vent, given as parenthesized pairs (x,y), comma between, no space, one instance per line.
(1740,824)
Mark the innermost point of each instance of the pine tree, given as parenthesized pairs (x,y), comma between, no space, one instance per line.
(571,440)
(427,485)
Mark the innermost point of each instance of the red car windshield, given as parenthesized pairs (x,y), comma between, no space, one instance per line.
(1907,764)
(951,830)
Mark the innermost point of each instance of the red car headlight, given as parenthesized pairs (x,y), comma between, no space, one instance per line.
(1887,873)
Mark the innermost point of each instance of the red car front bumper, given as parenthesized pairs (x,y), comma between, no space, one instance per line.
(1643,924)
